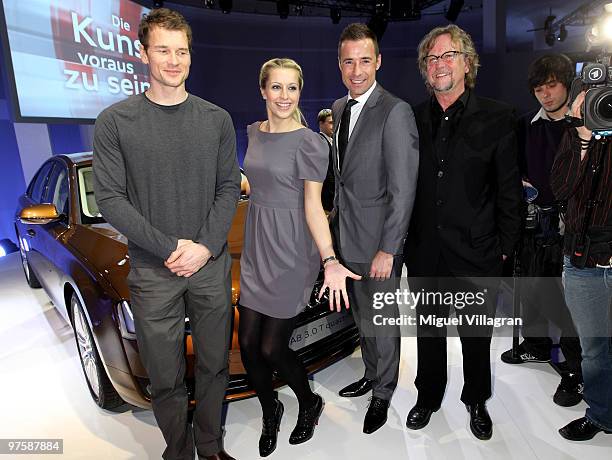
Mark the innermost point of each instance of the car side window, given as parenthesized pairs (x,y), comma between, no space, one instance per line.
(57,189)
(40,183)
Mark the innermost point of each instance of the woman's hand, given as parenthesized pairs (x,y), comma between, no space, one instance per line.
(335,279)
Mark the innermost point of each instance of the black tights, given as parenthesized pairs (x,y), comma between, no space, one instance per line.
(264,347)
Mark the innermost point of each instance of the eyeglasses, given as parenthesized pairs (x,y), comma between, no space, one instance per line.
(447,57)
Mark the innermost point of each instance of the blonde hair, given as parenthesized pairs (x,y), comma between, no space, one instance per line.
(283,63)
(458,37)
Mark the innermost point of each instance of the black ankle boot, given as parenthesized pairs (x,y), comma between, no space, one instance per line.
(306,422)
(269,431)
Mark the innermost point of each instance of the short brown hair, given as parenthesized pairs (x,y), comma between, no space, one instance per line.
(166,19)
(323,114)
(458,37)
(358,31)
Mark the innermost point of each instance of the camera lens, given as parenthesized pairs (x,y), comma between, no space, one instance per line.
(603,107)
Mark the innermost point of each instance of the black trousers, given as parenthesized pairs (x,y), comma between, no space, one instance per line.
(432,374)
(160,301)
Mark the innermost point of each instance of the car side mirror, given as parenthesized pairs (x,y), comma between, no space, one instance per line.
(39,214)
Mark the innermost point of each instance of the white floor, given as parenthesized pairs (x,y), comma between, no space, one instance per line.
(43,395)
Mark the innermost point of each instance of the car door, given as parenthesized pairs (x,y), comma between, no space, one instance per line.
(55,252)
(30,234)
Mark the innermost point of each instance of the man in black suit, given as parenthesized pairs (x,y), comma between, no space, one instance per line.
(466,217)
(326,131)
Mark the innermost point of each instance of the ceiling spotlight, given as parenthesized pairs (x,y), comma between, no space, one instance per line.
(454,8)
(158,3)
(549,21)
(550,36)
(562,33)
(282,8)
(605,28)
(381,7)
(335,13)
(226,6)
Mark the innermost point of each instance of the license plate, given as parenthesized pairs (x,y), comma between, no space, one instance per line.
(319,329)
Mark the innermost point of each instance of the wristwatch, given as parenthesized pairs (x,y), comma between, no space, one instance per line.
(328,259)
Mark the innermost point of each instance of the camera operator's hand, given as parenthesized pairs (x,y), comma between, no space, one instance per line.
(577,111)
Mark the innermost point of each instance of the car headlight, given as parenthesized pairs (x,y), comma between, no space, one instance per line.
(126,320)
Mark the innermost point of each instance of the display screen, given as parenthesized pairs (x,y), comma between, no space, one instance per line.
(579,66)
(70,59)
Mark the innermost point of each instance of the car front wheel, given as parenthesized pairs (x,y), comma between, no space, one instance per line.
(100,387)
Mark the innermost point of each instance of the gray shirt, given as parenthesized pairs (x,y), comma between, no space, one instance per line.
(163,173)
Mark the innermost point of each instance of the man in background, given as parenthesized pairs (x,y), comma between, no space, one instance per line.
(541,256)
(326,130)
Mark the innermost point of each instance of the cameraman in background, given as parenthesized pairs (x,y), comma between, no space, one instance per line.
(582,175)
(541,255)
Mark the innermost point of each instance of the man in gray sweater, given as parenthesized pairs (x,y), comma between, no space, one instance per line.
(166,176)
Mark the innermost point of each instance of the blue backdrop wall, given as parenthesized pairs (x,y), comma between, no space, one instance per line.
(11,175)
(228,51)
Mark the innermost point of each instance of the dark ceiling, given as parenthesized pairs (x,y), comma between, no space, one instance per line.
(522,16)
(396,9)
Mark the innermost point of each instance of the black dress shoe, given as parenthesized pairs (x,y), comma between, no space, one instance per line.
(306,422)
(376,416)
(418,417)
(269,431)
(221,455)
(581,429)
(480,421)
(569,391)
(358,388)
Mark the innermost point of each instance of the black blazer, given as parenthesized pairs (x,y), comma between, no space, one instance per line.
(329,185)
(467,210)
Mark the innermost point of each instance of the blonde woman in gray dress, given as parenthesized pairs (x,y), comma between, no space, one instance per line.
(286,238)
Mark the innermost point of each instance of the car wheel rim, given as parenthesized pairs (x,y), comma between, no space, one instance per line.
(86,349)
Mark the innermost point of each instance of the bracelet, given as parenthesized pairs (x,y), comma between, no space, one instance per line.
(328,259)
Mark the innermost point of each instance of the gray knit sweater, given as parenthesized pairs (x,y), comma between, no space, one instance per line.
(166,172)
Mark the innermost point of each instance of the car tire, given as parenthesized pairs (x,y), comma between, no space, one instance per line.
(30,276)
(100,386)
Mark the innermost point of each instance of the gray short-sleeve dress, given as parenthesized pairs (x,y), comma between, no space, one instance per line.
(280,260)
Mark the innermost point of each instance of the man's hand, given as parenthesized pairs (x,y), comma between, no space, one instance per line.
(188,258)
(381,267)
(576,111)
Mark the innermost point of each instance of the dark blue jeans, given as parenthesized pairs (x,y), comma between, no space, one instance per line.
(588,293)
